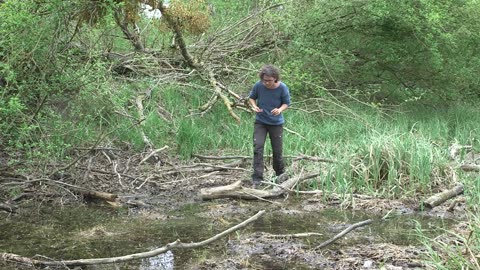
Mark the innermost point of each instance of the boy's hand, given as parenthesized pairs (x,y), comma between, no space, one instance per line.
(276,111)
(257,109)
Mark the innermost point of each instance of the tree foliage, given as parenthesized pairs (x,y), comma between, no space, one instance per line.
(55,55)
(393,50)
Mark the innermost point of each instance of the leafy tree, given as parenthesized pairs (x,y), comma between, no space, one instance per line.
(393,50)
(56,55)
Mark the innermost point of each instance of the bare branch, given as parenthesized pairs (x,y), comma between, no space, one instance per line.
(344,232)
(154,152)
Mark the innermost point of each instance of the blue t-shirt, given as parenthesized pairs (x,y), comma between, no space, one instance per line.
(269,99)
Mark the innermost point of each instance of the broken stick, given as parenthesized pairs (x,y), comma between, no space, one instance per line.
(341,234)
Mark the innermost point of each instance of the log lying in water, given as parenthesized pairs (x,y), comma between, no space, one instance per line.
(442,197)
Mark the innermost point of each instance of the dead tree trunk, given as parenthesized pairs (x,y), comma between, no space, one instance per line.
(177,30)
(132,36)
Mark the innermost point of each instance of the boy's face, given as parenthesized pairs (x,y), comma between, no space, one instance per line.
(268,81)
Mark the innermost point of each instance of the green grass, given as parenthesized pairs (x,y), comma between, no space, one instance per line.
(455,249)
(402,154)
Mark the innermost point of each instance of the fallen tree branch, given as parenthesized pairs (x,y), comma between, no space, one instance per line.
(344,232)
(295,158)
(455,149)
(218,94)
(440,198)
(236,190)
(152,154)
(470,167)
(173,23)
(8,208)
(293,132)
(94,146)
(221,157)
(203,167)
(139,103)
(327,160)
(295,235)
(10,257)
(84,191)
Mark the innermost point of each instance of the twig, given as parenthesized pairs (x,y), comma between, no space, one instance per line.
(344,232)
(295,235)
(94,146)
(260,198)
(139,103)
(97,149)
(153,153)
(8,208)
(87,172)
(146,180)
(208,174)
(470,167)
(474,258)
(107,172)
(314,159)
(293,132)
(295,158)
(115,165)
(220,157)
(456,148)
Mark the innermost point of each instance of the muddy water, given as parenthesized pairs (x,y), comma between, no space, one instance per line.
(92,231)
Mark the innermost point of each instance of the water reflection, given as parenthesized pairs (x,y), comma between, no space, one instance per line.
(88,232)
(163,261)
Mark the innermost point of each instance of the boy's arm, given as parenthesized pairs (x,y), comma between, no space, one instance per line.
(253,103)
(283,107)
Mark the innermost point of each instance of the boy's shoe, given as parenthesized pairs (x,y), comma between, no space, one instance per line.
(256,181)
(281,178)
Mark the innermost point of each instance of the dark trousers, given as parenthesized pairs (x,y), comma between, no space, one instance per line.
(276,139)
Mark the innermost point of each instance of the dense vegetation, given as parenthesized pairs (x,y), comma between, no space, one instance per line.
(382,87)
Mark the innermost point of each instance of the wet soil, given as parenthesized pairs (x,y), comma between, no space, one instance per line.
(167,188)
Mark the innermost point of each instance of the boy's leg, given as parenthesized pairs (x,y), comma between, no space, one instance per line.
(259,136)
(276,138)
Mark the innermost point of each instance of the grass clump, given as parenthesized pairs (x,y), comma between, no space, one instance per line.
(457,248)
